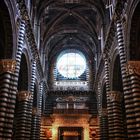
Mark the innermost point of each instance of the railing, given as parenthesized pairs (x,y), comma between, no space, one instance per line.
(70,111)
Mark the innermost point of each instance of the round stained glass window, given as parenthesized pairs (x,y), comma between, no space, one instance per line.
(71,65)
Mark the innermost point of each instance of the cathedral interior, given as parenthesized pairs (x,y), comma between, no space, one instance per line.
(69,69)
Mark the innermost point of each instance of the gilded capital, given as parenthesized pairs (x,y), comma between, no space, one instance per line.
(133,67)
(7,65)
(24,95)
(104,112)
(115,96)
(35,111)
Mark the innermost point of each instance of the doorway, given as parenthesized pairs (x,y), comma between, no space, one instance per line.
(70,133)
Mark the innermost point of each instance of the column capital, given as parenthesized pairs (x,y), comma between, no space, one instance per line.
(104,112)
(24,95)
(133,67)
(115,96)
(7,65)
(35,111)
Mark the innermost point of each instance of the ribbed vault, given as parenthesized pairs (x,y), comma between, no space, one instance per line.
(70,25)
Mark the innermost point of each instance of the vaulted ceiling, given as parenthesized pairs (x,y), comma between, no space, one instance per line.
(70,24)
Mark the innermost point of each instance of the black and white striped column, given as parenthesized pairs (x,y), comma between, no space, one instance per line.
(133,106)
(116,127)
(7,97)
(41,92)
(23,115)
(8,88)
(20,47)
(37,112)
(102,116)
(130,88)
(35,125)
(109,107)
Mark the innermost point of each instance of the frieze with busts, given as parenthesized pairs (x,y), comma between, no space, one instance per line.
(24,96)
(133,67)
(115,96)
(35,111)
(104,112)
(72,98)
(7,65)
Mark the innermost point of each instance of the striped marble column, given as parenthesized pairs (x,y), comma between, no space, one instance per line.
(103,124)
(109,107)
(133,106)
(103,119)
(36,116)
(41,92)
(21,32)
(7,97)
(35,131)
(115,116)
(130,86)
(23,115)
(20,43)
(99,105)
(35,113)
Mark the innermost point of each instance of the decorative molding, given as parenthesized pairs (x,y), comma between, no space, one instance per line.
(71,120)
(118,10)
(93,132)
(24,95)
(72,99)
(23,12)
(133,67)
(115,96)
(7,65)
(104,112)
(48,133)
(35,111)
(70,133)
(47,120)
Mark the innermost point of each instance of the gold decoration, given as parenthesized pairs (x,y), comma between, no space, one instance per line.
(24,96)
(93,121)
(133,67)
(115,96)
(104,112)
(92,132)
(70,133)
(35,111)
(7,65)
(47,120)
(48,133)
